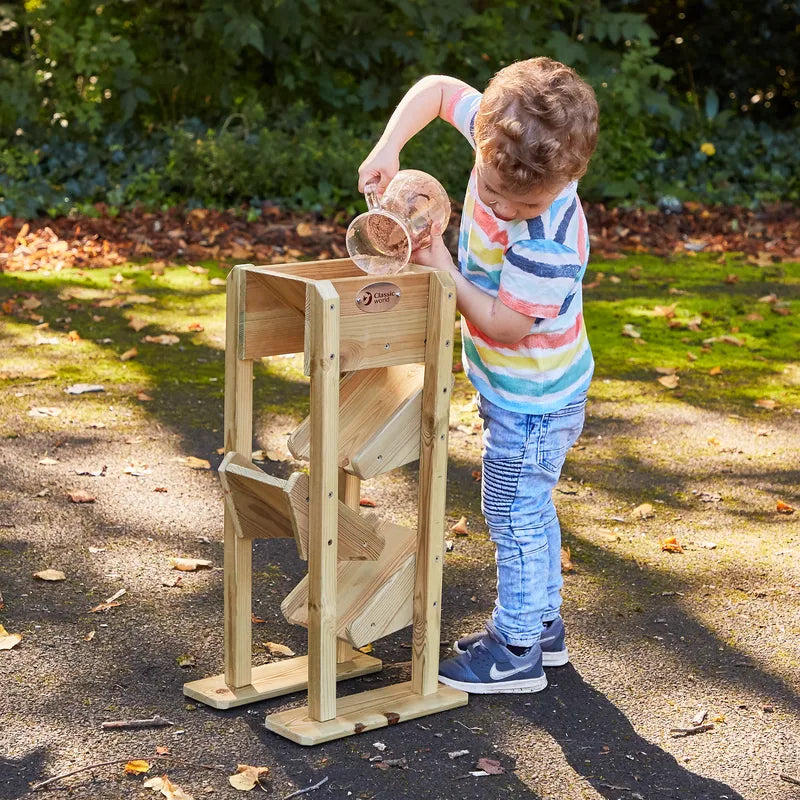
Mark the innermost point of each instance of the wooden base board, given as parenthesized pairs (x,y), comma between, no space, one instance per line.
(273,680)
(362,712)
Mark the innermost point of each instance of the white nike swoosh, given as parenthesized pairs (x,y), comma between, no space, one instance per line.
(497,674)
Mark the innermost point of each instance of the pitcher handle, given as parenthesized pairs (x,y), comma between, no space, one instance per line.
(371,195)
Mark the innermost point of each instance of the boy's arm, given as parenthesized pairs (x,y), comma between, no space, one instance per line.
(490,314)
(424,101)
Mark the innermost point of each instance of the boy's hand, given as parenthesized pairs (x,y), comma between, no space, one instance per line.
(379,167)
(437,255)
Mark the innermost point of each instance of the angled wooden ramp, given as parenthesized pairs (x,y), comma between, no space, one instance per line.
(373,598)
(266,507)
(379,420)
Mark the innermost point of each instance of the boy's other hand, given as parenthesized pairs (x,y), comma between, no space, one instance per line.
(380,166)
(436,255)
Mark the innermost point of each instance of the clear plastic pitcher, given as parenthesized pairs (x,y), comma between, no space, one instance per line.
(381,240)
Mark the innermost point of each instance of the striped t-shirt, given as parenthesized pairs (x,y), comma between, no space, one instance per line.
(535,266)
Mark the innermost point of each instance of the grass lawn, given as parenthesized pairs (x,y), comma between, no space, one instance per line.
(728,331)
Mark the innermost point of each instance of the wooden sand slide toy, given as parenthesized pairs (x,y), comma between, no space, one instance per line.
(379,356)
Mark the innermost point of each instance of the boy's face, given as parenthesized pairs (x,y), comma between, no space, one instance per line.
(507,205)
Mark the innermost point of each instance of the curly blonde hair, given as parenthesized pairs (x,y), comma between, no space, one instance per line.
(537,124)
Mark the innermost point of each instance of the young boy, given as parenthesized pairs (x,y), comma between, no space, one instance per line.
(522,253)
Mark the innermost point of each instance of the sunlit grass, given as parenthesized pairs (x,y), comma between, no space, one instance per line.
(185,380)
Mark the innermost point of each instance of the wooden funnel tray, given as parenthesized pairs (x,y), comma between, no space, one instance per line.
(373,598)
(264,507)
(272,317)
(379,419)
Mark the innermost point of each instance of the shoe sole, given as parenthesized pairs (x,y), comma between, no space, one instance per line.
(549,659)
(527,686)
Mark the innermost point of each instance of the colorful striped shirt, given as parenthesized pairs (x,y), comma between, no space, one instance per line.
(534,266)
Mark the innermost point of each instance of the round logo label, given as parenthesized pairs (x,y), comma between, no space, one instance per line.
(377,297)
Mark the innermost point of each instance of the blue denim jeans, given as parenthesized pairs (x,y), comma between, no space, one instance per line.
(522,459)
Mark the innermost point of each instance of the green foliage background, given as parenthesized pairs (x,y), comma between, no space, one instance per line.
(221,103)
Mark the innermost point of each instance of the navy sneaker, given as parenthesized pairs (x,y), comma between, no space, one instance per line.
(489,667)
(554,650)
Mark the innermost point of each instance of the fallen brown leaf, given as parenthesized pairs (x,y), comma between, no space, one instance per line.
(45,411)
(784,508)
(643,511)
(255,620)
(670,381)
(101,607)
(79,496)
(731,340)
(137,767)
(665,311)
(278,649)
(715,371)
(189,564)
(50,575)
(164,338)
(195,463)
(671,545)
(490,765)
(631,332)
(460,528)
(566,560)
(8,640)
(137,324)
(766,402)
(129,354)
(170,790)
(367,502)
(246,777)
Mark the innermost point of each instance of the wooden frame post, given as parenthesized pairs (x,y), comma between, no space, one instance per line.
(323,360)
(238,431)
(350,495)
(432,484)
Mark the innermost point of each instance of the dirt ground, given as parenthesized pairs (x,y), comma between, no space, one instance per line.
(657,638)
